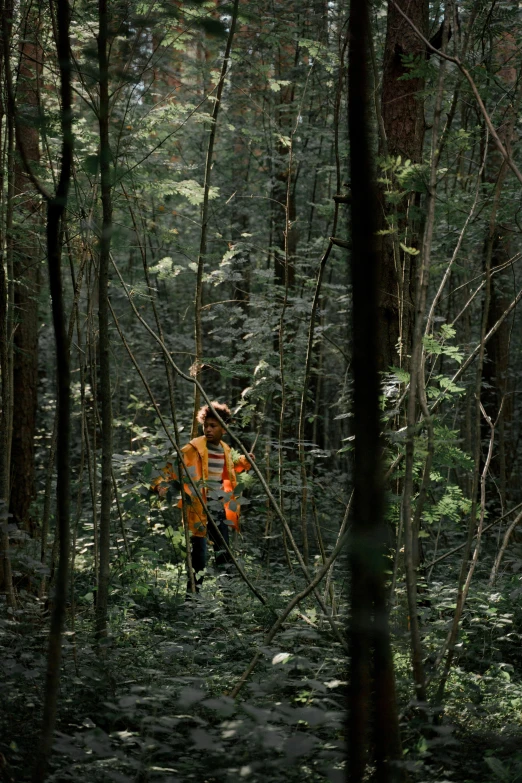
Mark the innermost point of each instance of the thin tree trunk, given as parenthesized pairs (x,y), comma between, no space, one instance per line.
(502,550)
(198,336)
(10,277)
(498,393)
(311,327)
(49,472)
(103,316)
(27,277)
(411,523)
(55,212)
(92,450)
(173,412)
(6,578)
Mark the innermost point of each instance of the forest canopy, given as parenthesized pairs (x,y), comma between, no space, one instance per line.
(309,212)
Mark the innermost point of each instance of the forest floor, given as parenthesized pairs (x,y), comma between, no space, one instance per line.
(484,756)
(154,705)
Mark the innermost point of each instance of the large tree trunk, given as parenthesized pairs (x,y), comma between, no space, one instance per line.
(26,270)
(371,700)
(498,391)
(403,127)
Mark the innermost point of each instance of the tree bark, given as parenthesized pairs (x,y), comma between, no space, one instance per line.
(498,394)
(283,191)
(6,577)
(417,391)
(26,270)
(403,128)
(371,697)
(55,212)
(103,320)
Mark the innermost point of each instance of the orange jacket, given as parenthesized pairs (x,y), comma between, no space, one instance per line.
(195,458)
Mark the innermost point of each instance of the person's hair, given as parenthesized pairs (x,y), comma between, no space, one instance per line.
(205,412)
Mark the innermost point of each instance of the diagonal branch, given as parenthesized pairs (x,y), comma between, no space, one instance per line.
(179,455)
(241,447)
(494,135)
(297,598)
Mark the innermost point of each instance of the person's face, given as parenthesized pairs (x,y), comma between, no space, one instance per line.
(213,430)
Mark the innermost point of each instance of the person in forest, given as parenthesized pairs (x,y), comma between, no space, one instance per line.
(208,460)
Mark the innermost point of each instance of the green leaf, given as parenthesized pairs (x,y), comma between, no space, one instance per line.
(276,84)
(497,768)
(401,375)
(411,251)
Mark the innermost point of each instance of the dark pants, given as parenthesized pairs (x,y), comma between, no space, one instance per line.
(199,550)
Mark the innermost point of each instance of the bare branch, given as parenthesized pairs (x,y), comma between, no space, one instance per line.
(494,135)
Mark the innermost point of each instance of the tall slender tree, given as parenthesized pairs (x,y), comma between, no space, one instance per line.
(103,318)
(198,332)
(26,270)
(56,205)
(6,581)
(371,699)
(498,375)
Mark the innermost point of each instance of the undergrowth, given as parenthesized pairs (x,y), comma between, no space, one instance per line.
(153,704)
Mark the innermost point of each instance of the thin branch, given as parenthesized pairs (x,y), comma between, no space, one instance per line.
(288,608)
(461,546)
(240,446)
(179,454)
(502,551)
(494,135)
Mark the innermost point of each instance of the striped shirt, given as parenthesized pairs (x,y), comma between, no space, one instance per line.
(216,466)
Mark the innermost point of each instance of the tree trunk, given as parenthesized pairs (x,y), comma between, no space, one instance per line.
(283,191)
(27,282)
(103,316)
(198,336)
(498,397)
(403,126)
(55,212)
(371,699)
(6,578)
(498,393)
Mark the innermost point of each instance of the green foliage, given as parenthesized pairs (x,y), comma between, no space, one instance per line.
(452,505)
(436,345)
(157,704)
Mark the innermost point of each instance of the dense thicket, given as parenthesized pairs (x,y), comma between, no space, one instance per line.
(204,246)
